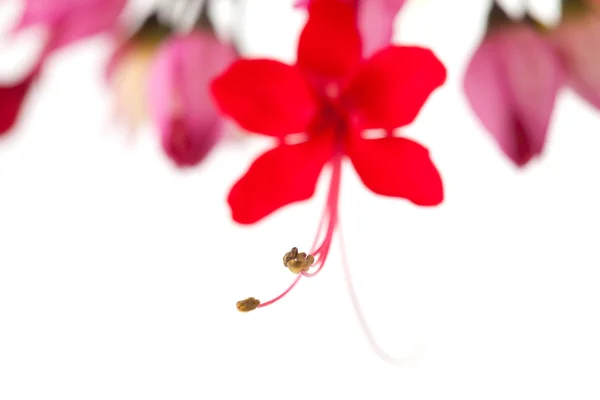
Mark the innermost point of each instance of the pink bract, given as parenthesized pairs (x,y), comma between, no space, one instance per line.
(511,84)
(70,20)
(375,20)
(180,104)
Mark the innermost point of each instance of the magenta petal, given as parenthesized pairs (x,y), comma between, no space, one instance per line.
(179,101)
(577,40)
(11,101)
(376,21)
(71,20)
(511,84)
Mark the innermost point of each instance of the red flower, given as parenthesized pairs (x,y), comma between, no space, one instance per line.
(332,95)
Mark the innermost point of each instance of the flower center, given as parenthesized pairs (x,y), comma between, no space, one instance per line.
(333,116)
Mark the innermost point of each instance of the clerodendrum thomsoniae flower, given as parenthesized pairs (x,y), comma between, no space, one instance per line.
(332,94)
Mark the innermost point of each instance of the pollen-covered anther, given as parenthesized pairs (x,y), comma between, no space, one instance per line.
(297,262)
(248,304)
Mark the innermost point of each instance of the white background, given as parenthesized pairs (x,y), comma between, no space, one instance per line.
(119,273)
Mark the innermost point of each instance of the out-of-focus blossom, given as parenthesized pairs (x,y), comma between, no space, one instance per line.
(352,94)
(128,71)
(375,20)
(179,98)
(70,20)
(511,84)
(66,21)
(577,40)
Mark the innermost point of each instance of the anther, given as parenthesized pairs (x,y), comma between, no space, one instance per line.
(297,262)
(248,304)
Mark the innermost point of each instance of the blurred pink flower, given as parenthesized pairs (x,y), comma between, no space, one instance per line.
(375,20)
(577,40)
(180,103)
(70,20)
(66,21)
(511,84)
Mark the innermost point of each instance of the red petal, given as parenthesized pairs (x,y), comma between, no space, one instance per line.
(392,86)
(265,96)
(281,176)
(11,100)
(397,167)
(330,44)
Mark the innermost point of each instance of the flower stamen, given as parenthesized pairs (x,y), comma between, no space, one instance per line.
(297,262)
(301,263)
(248,304)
